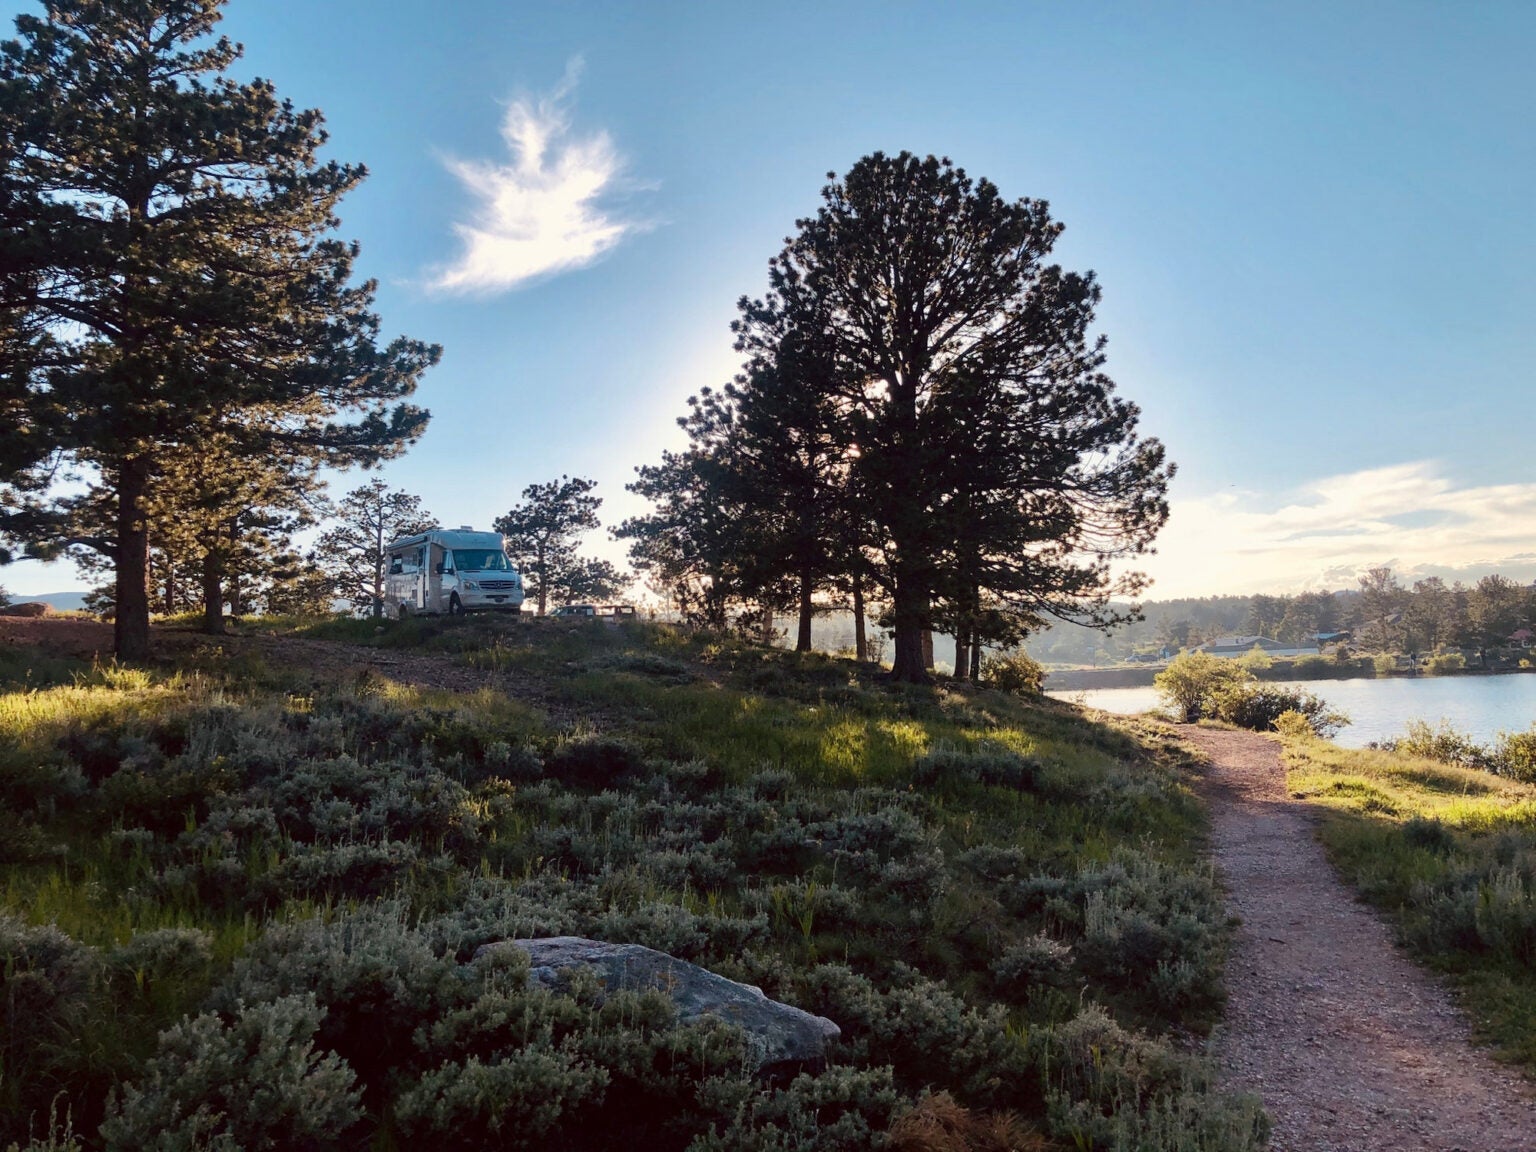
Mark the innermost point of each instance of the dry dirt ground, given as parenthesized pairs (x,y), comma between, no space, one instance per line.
(1351,1046)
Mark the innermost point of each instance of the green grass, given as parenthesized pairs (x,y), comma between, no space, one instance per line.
(965,879)
(1449,854)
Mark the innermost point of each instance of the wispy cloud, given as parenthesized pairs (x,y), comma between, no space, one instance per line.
(538,214)
(1324,534)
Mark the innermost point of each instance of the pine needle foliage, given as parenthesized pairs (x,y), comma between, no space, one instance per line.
(182,277)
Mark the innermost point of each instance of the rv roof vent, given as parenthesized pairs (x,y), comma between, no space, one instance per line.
(465,528)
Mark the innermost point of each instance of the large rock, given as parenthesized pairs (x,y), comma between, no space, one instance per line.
(780,1035)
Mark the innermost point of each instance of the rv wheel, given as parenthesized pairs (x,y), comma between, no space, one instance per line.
(455,605)
(404,612)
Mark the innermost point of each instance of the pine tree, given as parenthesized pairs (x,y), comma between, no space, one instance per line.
(180,276)
(543,533)
(695,547)
(922,407)
(353,550)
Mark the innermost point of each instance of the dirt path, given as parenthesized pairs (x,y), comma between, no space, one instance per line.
(1351,1046)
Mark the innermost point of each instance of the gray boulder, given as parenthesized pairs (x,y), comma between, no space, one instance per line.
(779,1034)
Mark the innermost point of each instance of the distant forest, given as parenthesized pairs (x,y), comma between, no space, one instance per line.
(1381,614)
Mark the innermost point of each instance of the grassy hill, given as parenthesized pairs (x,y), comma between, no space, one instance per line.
(243,890)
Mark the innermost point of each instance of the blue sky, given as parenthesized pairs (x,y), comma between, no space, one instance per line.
(1312,222)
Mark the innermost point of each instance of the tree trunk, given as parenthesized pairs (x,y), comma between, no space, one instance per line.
(378,568)
(860,644)
(213,593)
(910,612)
(803,636)
(976,662)
(130,628)
(962,654)
(927,649)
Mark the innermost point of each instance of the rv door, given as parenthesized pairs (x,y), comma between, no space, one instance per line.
(436,553)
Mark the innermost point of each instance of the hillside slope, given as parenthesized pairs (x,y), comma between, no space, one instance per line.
(244,889)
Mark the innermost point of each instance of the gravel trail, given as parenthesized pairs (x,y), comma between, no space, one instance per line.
(1351,1046)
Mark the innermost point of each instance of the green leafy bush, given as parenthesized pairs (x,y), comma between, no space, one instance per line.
(1293,725)
(1514,755)
(1017,674)
(1259,707)
(1193,680)
(1445,663)
(1443,742)
(1256,660)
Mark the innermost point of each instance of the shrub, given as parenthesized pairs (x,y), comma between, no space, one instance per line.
(1384,664)
(1445,663)
(939,1123)
(1035,961)
(1292,724)
(842,1110)
(1124,1092)
(164,954)
(1428,833)
(1144,927)
(1514,755)
(254,1083)
(1017,674)
(1260,707)
(519,1100)
(1256,660)
(1192,681)
(1313,666)
(1443,742)
(985,764)
(47,985)
(594,762)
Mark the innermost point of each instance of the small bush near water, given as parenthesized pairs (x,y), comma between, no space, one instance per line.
(262,901)
(1199,686)
(1512,754)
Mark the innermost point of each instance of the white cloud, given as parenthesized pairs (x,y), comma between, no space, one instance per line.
(1323,535)
(538,214)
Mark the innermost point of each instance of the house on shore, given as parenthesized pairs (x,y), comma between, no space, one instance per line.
(1233,647)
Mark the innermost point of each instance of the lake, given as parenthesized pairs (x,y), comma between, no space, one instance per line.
(1481,706)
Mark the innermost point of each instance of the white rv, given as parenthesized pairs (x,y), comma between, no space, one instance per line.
(452,572)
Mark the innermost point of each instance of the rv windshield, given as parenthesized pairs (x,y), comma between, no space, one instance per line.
(480,560)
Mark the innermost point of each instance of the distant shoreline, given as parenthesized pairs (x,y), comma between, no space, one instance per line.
(1080,679)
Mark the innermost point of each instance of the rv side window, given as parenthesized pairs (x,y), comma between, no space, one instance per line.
(396,565)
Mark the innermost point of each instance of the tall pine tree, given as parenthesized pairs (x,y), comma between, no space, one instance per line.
(175,228)
(987,446)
